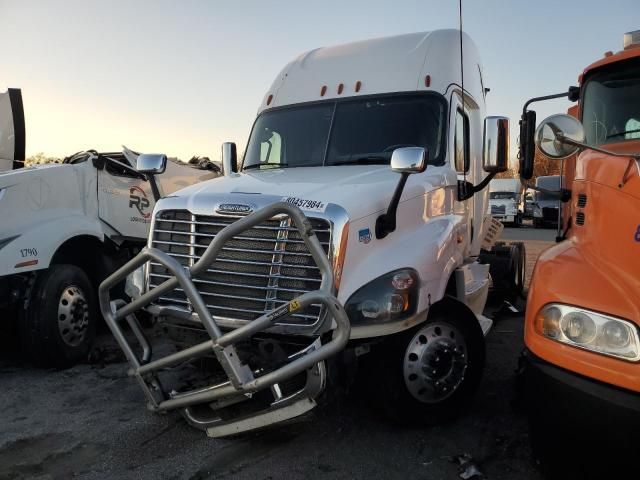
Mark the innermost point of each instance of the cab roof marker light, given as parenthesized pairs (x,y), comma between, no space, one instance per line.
(427,81)
(358,85)
(323,90)
(269,99)
(340,88)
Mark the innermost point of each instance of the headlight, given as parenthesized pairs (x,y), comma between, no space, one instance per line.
(391,297)
(589,330)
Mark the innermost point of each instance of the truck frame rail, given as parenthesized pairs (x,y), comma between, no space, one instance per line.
(242,380)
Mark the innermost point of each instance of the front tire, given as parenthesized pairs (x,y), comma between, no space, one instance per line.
(427,374)
(517,223)
(58,326)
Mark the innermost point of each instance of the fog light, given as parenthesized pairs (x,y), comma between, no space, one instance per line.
(370,309)
(615,334)
(578,327)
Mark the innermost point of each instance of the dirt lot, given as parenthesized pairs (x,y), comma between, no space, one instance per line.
(90,422)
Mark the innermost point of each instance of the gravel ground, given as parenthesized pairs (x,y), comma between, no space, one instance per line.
(90,422)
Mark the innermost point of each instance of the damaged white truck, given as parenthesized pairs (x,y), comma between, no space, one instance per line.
(64,228)
(350,234)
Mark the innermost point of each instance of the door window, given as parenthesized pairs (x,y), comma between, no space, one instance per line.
(461,142)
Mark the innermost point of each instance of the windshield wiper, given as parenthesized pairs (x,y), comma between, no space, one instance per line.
(623,133)
(258,165)
(368,160)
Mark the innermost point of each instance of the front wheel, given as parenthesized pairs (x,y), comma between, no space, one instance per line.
(58,326)
(517,222)
(429,373)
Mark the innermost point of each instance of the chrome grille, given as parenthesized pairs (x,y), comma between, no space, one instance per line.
(498,209)
(255,272)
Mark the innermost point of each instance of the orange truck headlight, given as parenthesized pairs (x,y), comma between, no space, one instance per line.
(589,330)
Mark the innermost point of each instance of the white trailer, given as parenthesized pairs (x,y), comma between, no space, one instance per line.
(378,145)
(64,228)
(506,201)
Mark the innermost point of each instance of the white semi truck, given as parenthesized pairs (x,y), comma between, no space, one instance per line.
(506,201)
(350,234)
(64,228)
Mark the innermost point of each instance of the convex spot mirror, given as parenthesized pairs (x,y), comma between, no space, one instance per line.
(558,136)
(495,150)
(154,163)
(409,160)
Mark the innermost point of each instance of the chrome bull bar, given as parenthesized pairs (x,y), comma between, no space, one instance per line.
(242,380)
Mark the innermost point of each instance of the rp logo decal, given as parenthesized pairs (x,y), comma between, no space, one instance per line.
(138,199)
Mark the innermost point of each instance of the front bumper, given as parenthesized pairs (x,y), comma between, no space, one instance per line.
(505,218)
(243,377)
(580,428)
(564,397)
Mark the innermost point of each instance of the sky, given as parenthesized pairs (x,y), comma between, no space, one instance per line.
(181,77)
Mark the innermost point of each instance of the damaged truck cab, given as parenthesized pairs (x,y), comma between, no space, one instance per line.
(371,155)
(65,227)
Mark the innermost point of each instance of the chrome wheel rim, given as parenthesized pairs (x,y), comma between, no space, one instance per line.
(73,316)
(435,362)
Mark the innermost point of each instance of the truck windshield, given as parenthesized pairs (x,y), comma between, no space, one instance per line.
(361,131)
(611,105)
(502,195)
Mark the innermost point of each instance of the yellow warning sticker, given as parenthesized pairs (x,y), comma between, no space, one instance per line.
(294,305)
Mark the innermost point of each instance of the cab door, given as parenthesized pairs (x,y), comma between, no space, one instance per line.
(460,158)
(12,130)
(125,200)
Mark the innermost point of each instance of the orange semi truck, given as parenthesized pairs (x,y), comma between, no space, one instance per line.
(581,365)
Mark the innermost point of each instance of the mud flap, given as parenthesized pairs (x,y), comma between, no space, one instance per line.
(12,130)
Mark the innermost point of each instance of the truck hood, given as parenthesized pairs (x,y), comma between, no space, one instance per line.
(360,190)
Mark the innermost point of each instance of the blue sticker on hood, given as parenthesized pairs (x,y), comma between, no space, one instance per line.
(364,236)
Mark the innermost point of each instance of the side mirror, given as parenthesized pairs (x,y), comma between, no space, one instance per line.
(229,158)
(153,163)
(405,161)
(409,160)
(527,144)
(559,136)
(495,150)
